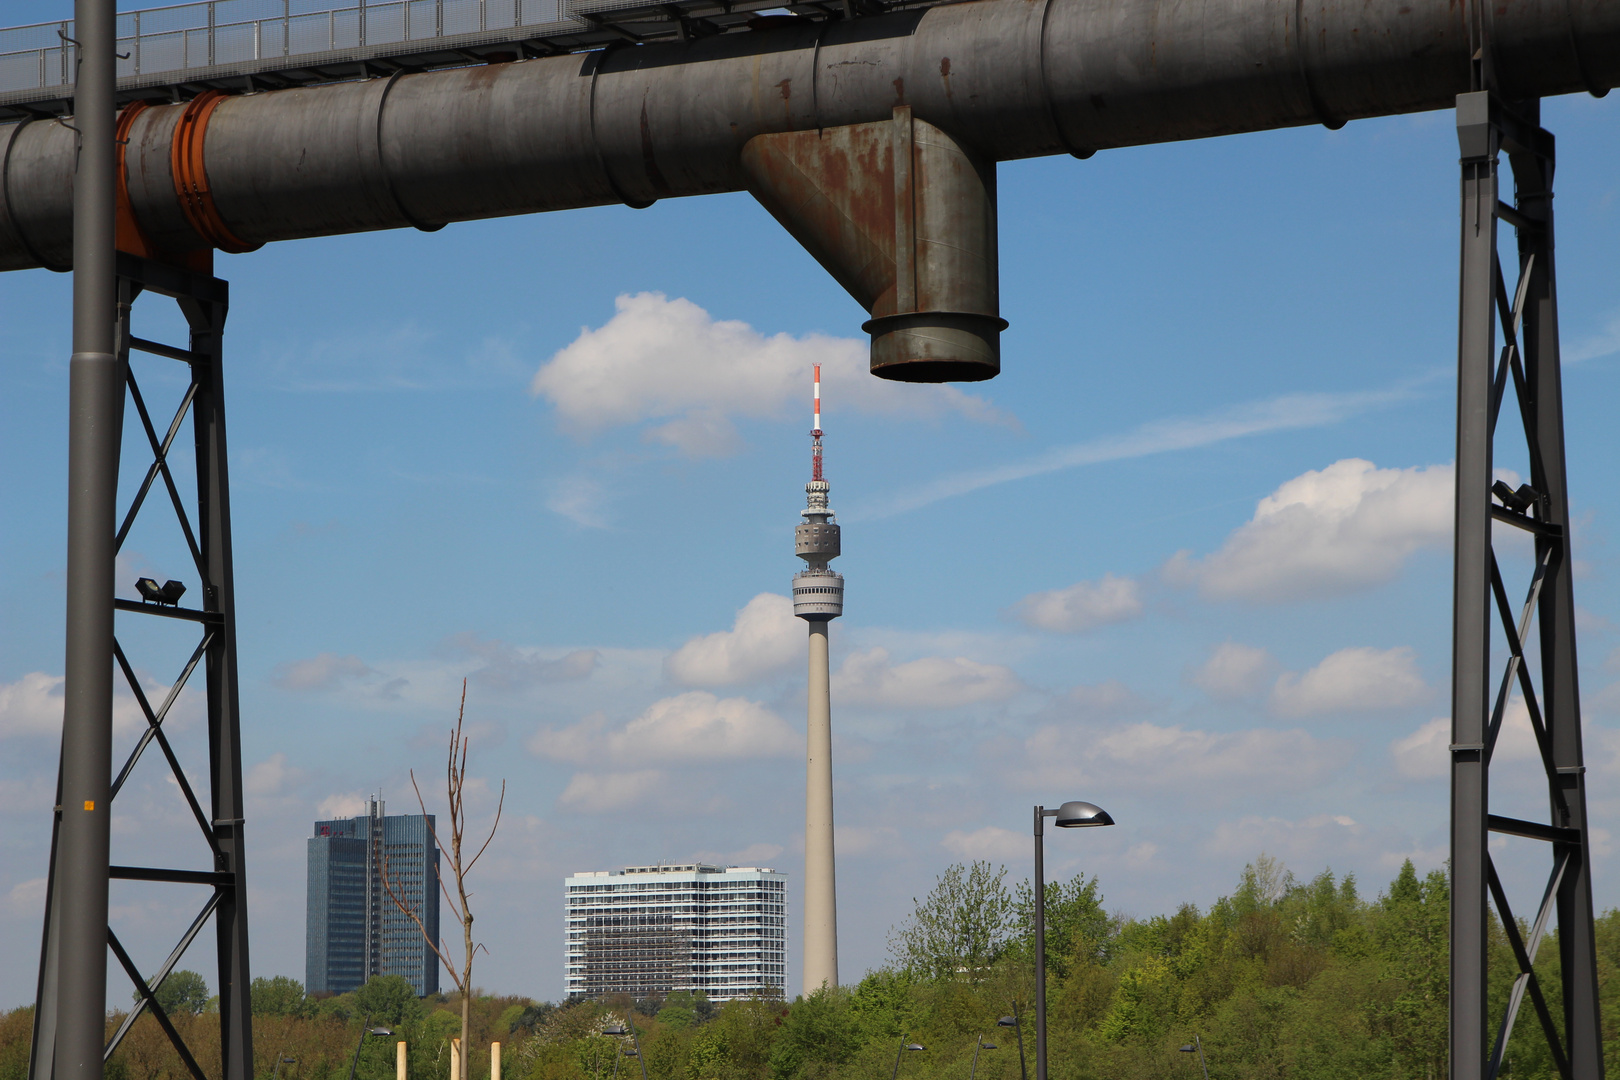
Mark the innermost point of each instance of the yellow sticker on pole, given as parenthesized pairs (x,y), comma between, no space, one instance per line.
(89,804)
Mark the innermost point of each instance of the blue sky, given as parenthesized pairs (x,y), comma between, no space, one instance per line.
(1188,556)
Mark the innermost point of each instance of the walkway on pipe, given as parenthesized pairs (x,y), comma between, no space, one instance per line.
(175,52)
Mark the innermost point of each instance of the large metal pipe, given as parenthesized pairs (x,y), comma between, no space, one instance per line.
(1008,78)
(904,217)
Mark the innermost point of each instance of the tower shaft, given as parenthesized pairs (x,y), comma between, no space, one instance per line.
(820,891)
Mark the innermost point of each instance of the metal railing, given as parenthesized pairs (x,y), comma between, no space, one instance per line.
(216,33)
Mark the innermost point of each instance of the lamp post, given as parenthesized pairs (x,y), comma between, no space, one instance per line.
(904,1046)
(1198,1045)
(1071,815)
(1012,1022)
(978,1044)
(367,1031)
(618,1029)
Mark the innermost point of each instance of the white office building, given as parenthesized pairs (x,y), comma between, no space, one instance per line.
(648,930)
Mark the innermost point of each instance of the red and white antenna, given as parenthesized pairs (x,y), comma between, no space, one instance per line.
(815,432)
(816,427)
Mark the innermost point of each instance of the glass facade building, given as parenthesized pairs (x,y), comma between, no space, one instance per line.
(354,929)
(648,930)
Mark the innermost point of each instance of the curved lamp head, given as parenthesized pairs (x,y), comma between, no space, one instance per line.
(616,1029)
(914,1046)
(1189,1048)
(379,1031)
(1007,1021)
(987,1046)
(1079,815)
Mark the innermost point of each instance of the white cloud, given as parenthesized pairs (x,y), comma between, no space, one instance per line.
(1345,527)
(1422,755)
(669,360)
(1425,754)
(1180,759)
(1604,701)
(27,898)
(508,668)
(1606,342)
(694,726)
(991,843)
(1352,680)
(934,682)
(581,499)
(866,840)
(1321,837)
(1234,671)
(699,725)
(1102,701)
(272,776)
(614,792)
(1082,607)
(32,706)
(324,672)
(764,639)
(343,805)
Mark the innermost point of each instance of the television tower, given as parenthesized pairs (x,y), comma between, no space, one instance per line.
(818,597)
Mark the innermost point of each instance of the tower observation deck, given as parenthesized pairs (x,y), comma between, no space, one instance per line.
(818,592)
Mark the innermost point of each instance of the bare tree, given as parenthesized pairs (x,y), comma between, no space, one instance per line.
(455,780)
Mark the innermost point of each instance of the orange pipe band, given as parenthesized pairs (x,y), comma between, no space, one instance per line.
(130,238)
(191,175)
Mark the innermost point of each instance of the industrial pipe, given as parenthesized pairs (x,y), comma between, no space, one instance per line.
(904,218)
(1008,78)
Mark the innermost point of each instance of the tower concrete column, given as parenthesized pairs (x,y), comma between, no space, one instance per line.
(818,598)
(820,890)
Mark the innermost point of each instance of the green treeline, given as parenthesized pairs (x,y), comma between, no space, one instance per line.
(1282,979)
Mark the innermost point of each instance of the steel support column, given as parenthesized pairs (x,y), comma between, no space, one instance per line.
(78,889)
(74,960)
(1542,677)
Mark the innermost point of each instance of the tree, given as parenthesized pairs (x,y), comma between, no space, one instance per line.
(278,996)
(455,783)
(1414,941)
(1077,927)
(389,1000)
(183,993)
(820,1029)
(960,928)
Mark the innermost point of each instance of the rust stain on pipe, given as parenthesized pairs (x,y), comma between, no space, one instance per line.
(903,217)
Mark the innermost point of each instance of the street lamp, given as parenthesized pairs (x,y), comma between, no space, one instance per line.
(978,1044)
(618,1029)
(1198,1045)
(368,1031)
(904,1046)
(1012,1022)
(280,1061)
(1071,815)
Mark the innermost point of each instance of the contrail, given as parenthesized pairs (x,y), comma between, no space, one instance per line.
(1288,412)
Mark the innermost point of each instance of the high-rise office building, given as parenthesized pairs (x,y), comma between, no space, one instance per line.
(354,929)
(648,930)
